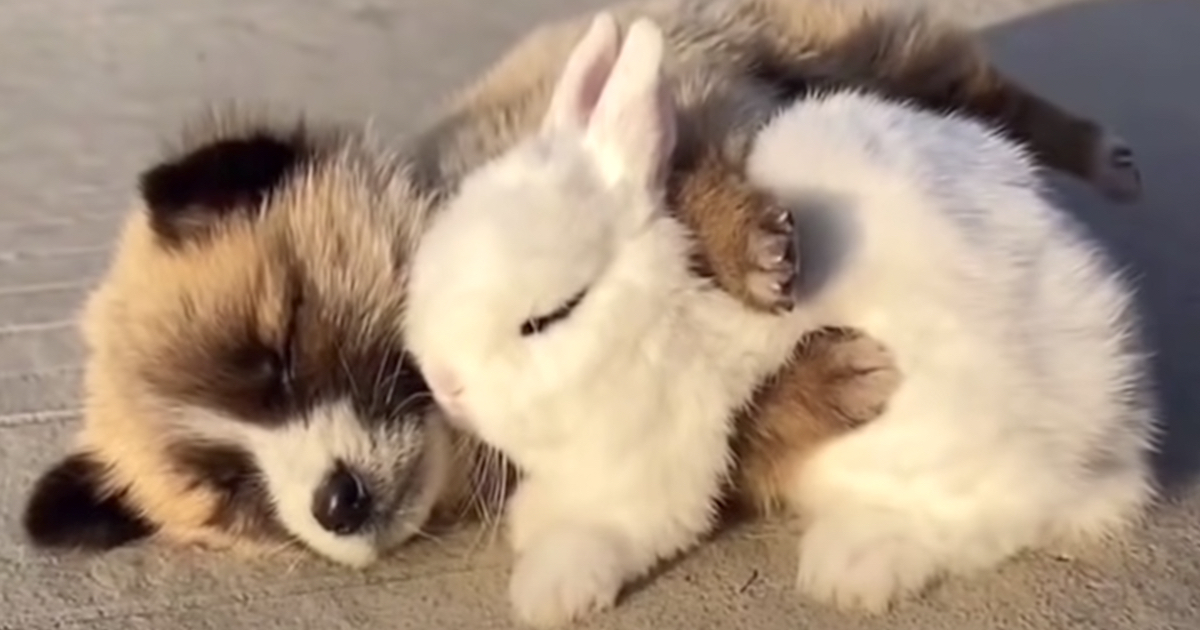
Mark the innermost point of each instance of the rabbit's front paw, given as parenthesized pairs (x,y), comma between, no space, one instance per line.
(861,563)
(566,575)
(856,372)
(771,252)
(1114,170)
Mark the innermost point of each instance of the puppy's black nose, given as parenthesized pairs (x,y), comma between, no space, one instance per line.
(342,503)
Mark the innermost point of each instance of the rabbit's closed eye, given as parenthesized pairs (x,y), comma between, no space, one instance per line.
(535,325)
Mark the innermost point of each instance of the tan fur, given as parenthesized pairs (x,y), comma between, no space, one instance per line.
(727,218)
(169,312)
(734,58)
(837,380)
(129,327)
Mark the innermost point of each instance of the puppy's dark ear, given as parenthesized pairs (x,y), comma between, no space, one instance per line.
(70,508)
(194,191)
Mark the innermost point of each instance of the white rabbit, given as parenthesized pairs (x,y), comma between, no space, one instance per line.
(552,309)
(1025,417)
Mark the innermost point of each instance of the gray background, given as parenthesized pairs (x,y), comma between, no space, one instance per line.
(89,87)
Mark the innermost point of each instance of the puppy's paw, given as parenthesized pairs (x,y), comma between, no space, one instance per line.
(1114,169)
(771,259)
(856,372)
(566,575)
(861,564)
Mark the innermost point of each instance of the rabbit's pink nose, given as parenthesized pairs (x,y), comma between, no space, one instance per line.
(447,390)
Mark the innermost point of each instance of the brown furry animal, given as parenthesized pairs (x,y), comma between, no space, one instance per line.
(245,379)
(244,359)
(737,61)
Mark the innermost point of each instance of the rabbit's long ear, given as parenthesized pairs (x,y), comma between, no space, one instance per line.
(583,77)
(632,129)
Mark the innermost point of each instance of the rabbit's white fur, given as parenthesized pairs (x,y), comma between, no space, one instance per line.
(619,415)
(1025,416)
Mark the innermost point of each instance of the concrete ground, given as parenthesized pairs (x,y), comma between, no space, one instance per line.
(87,88)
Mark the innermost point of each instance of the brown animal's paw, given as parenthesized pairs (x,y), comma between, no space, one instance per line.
(1114,170)
(771,252)
(858,374)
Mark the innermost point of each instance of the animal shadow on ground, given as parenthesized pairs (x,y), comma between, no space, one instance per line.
(1134,65)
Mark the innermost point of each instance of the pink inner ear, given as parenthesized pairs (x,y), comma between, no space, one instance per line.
(633,125)
(584,75)
(590,89)
(668,133)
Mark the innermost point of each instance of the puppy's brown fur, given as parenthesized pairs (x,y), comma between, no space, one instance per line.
(837,380)
(254,286)
(736,61)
